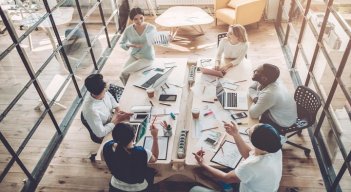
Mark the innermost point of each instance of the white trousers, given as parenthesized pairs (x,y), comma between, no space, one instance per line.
(132,65)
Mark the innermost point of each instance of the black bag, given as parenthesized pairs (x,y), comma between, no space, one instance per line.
(116,91)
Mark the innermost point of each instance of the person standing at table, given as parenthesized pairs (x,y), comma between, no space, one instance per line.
(128,163)
(272,102)
(233,47)
(135,38)
(100,109)
(265,159)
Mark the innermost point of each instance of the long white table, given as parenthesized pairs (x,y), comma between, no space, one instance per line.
(188,97)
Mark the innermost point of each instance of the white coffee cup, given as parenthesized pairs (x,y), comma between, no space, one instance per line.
(150,92)
(195,112)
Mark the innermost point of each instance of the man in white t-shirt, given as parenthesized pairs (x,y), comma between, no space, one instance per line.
(261,169)
(272,102)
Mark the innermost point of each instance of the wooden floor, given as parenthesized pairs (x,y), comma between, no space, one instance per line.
(71,170)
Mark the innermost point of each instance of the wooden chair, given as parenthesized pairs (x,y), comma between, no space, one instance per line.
(93,137)
(308,104)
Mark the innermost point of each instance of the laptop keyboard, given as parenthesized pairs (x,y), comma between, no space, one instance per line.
(232,100)
(152,80)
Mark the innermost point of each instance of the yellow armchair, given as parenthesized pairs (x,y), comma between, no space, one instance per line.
(245,11)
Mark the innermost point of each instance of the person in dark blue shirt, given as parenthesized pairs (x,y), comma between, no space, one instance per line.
(128,163)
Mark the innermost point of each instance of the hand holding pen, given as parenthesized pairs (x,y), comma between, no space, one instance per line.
(153,129)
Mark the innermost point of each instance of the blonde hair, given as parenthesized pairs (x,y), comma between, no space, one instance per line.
(240,32)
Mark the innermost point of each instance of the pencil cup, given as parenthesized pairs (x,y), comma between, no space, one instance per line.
(195,112)
(150,92)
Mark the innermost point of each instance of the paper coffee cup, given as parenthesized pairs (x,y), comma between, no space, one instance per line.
(196,113)
(150,92)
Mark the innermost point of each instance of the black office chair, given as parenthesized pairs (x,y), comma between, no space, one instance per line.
(116,91)
(93,137)
(308,104)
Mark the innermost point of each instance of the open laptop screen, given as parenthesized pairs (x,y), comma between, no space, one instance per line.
(163,78)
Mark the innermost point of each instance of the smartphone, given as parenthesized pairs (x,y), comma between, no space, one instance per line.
(167,97)
(210,141)
(238,115)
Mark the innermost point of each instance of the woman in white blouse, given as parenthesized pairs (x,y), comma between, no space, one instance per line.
(233,47)
(135,37)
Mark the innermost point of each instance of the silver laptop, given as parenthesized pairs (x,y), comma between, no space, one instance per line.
(153,79)
(230,99)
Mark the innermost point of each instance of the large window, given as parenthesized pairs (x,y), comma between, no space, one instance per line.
(46,48)
(317,40)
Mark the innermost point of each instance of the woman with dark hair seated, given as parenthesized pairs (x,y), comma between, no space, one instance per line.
(128,163)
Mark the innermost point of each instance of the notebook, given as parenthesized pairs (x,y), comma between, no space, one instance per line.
(230,99)
(153,79)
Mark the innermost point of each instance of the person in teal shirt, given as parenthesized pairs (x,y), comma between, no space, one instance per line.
(135,38)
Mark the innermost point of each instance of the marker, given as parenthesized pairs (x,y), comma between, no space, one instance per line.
(165,104)
(208,113)
(167,85)
(207,101)
(172,115)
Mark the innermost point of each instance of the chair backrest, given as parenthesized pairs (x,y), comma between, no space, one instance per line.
(220,36)
(308,103)
(92,135)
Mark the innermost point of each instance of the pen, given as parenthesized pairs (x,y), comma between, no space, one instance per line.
(203,91)
(240,81)
(151,103)
(222,150)
(165,104)
(163,89)
(167,85)
(207,101)
(209,129)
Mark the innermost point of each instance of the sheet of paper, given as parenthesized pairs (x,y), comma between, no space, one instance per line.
(162,146)
(158,38)
(228,155)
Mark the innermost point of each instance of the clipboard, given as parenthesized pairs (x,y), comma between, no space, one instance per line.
(162,144)
(227,155)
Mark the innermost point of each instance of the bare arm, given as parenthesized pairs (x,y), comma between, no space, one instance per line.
(154,148)
(243,147)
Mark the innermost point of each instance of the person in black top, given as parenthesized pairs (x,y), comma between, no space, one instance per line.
(128,163)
